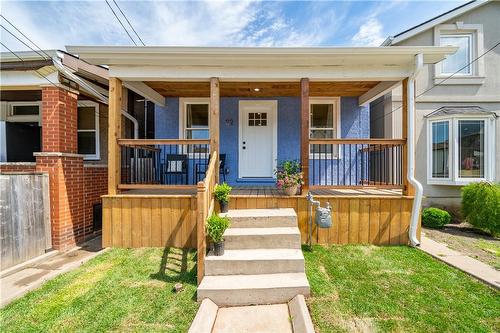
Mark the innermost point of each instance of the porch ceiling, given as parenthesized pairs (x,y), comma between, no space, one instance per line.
(265,89)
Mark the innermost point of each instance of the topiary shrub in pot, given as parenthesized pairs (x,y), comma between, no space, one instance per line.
(216,226)
(481,206)
(221,192)
(435,217)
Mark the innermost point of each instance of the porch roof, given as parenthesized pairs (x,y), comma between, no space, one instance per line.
(157,63)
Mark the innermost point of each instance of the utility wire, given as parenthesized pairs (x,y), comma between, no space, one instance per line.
(11,51)
(439,83)
(20,40)
(120,22)
(23,35)
(125,16)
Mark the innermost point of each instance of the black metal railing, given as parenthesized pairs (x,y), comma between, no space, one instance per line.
(163,162)
(356,163)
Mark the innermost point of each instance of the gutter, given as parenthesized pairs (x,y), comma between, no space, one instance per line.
(417,201)
(100,97)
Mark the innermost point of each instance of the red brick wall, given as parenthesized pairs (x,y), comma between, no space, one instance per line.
(59,120)
(96,185)
(66,186)
(18,167)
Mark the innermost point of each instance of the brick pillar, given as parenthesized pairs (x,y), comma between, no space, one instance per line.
(60,160)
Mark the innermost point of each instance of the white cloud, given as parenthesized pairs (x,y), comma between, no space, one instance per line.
(369,34)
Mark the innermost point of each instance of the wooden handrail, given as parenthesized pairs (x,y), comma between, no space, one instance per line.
(357,141)
(206,205)
(149,142)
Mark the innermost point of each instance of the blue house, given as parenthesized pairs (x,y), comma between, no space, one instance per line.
(257,133)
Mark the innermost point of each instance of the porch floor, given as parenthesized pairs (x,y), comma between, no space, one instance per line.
(271,191)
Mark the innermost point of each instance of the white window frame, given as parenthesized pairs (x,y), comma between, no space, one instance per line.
(337,115)
(24,118)
(183,102)
(97,155)
(477,75)
(454,161)
(471,54)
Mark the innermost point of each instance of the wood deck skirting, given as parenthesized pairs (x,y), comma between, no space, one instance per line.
(157,220)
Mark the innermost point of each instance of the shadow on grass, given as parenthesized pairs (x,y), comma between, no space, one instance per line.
(174,267)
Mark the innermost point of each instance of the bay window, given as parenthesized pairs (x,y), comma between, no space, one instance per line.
(460,150)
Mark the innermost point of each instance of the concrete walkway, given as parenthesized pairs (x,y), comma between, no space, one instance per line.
(32,276)
(462,262)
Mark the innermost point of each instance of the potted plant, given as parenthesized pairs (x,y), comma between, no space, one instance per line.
(289,177)
(216,226)
(221,193)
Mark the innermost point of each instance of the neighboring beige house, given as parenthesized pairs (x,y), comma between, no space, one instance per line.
(458,101)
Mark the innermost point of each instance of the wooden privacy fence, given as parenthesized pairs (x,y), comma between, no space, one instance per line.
(24,217)
(206,206)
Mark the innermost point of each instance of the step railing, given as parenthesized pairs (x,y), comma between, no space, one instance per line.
(356,163)
(205,208)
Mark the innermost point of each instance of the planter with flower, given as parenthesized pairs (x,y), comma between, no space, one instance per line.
(289,177)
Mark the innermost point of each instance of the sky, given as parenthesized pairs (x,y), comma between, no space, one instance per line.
(54,24)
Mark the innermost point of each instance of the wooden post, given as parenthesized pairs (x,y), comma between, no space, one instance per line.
(114,133)
(408,188)
(214,121)
(304,131)
(200,231)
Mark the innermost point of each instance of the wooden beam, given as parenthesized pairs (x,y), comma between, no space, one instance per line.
(379,90)
(145,91)
(408,188)
(214,122)
(304,131)
(114,133)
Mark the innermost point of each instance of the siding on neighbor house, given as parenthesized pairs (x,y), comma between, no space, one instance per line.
(354,124)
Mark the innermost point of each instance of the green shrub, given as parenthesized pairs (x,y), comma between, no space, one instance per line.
(216,226)
(435,217)
(222,192)
(481,206)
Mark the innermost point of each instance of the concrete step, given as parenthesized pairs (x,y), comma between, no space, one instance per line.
(260,261)
(262,238)
(262,218)
(232,290)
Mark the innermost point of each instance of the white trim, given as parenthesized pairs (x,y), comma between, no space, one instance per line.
(454,162)
(438,20)
(337,117)
(183,101)
(379,90)
(97,155)
(24,118)
(274,117)
(477,68)
(470,55)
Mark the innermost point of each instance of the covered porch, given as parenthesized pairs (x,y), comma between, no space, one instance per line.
(161,190)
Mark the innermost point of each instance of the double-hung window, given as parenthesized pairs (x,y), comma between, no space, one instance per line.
(324,124)
(194,121)
(88,130)
(460,150)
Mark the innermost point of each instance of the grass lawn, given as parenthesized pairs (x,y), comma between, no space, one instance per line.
(395,289)
(120,290)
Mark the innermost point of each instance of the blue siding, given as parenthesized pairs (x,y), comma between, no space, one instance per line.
(354,124)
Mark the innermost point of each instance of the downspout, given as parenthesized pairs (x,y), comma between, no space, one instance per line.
(417,201)
(100,97)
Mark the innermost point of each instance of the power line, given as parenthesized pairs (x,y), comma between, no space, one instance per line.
(439,83)
(12,34)
(11,51)
(23,35)
(120,22)
(125,16)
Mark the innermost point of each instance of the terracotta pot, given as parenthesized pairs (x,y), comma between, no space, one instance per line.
(219,248)
(224,206)
(291,190)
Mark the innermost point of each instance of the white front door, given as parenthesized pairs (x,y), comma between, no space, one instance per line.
(258,138)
